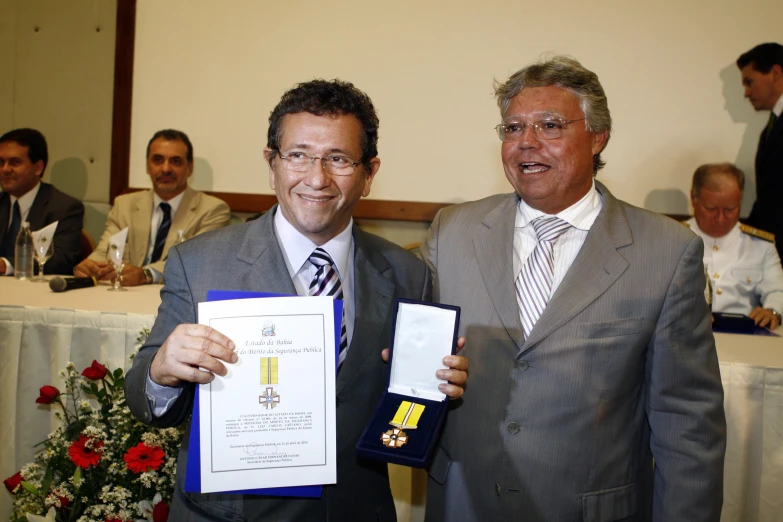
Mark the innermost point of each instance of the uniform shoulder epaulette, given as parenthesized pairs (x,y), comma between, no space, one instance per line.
(755,232)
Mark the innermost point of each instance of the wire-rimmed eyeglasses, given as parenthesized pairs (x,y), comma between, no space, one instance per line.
(333,164)
(549,129)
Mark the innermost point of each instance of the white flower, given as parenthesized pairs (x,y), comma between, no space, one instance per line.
(37,518)
(146,507)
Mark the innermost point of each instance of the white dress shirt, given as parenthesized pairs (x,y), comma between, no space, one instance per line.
(744,271)
(25,203)
(778,108)
(296,250)
(581,215)
(157,217)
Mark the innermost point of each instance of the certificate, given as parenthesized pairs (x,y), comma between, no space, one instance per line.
(271,421)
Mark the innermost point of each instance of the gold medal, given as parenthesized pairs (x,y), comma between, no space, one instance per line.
(394,438)
(408,415)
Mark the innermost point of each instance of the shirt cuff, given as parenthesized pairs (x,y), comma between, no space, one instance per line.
(160,398)
(9,268)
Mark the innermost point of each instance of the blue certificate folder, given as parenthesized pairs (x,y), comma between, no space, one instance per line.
(193,470)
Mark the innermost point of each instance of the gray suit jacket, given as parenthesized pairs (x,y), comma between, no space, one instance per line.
(621,367)
(248,257)
(51,205)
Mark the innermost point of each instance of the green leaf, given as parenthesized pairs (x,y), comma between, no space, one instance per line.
(73,430)
(77,475)
(47,480)
(30,488)
(117,373)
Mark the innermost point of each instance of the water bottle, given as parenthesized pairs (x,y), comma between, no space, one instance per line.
(23,254)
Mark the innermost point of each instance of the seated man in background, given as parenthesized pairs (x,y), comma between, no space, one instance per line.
(742,263)
(23,158)
(154,217)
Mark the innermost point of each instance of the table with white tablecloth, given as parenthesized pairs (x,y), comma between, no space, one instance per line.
(41,331)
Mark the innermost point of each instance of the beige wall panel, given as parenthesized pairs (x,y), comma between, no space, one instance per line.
(667,68)
(64,87)
(7,42)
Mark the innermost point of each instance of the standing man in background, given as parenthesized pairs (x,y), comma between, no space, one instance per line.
(155,216)
(591,351)
(762,76)
(25,197)
(743,266)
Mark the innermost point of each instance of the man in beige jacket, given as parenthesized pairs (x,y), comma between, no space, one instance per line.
(155,217)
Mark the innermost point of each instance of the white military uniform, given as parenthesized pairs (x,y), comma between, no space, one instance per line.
(744,270)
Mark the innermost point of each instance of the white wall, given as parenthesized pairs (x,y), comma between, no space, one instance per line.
(668,70)
(58,77)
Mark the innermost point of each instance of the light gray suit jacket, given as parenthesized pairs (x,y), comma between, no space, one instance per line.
(621,367)
(248,257)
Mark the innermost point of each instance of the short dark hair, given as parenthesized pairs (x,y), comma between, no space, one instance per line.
(35,142)
(173,135)
(703,174)
(333,98)
(763,57)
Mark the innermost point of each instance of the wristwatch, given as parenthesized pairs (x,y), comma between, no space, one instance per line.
(777,315)
(148,275)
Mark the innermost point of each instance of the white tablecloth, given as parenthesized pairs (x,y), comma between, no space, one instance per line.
(41,331)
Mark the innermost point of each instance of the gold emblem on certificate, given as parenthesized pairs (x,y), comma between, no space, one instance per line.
(269,372)
(406,418)
(394,438)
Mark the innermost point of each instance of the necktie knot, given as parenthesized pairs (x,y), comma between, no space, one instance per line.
(165,208)
(320,258)
(549,228)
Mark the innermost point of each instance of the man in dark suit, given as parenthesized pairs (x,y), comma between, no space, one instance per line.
(23,158)
(762,76)
(322,156)
(590,350)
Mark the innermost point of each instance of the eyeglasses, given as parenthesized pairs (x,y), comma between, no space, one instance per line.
(335,164)
(550,129)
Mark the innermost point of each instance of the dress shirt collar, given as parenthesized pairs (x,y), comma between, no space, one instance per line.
(173,202)
(720,242)
(778,108)
(25,202)
(581,215)
(297,248)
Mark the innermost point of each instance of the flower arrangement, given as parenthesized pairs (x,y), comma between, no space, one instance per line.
(101,465)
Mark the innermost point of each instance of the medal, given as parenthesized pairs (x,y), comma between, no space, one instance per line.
(406,418)
(394,438)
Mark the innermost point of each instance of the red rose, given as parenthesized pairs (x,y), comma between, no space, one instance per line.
(11,483)
(48,394)
(141,458)
(85,456)
(95,372)
(160,513)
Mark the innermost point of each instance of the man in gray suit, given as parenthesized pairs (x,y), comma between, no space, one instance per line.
(322,156)
(590,342)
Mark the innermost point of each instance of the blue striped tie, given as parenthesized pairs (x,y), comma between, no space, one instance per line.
(163,232)
(534,283)
(326,281)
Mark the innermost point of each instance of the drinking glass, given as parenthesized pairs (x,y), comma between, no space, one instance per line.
(43,251)
(118,261)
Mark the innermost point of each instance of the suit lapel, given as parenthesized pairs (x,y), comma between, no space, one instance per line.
(597,266)
(180,220)
(373,293)
(260,251)
(38,209)
(5,211)
(140,229)
(493,248)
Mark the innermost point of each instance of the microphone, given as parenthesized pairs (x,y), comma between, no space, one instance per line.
(60,284)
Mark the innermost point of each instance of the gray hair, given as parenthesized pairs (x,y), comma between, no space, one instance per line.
(703,176)
(566,73)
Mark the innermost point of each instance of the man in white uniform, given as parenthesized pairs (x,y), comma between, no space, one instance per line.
(743,266)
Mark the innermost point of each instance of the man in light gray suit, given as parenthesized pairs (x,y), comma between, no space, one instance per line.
(322,156)
(589,336)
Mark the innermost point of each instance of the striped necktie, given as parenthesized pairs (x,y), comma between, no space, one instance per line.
(534,283)
(163,232)
(326,281)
